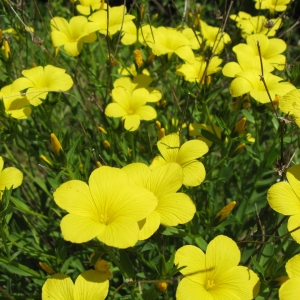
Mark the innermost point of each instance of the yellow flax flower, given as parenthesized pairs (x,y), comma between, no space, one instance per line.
(100,210)
(9,177)
(270,50)
(214,38)
(116,17)
(89,285)
(131,106)
(194,72)
(290,104)
(72,35)
(15,104)
(216,274)
(284,197)
(185,155)
(272,5)
(250,82)
(86,6)
(172,208)
(290,289)
(164,40)
(40,80)
(258,24)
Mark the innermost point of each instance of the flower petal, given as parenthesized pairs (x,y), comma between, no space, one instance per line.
(79,229)
(74,196)
(283,199)
(146,112)
(176,208)
(132,122)
(193,173)
(191,150)
(290,290)
(10,178)
(115,110)
(293,267)
(190,290)
(138,174)
(150,226)
(293,176)
(294,226)
(58,287)
(122,233)
(169,146)
(91,285)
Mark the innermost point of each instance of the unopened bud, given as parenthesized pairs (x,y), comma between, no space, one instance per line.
(158,125)
(106,144)
(142,11)
(46,268)
(161,133)
(208,80)
(150,58)
(162,286)
(102,129)
(224,212)
(102,5)
(6,49)
(46,160)
(138,57)
(55,144)
(240,125)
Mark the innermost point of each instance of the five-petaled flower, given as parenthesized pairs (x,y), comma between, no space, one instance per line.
(100,210)
(164,181)
(185,155)
(72,35)
(216,274)
(39,81)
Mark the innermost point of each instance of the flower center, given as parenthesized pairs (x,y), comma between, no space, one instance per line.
(210,284)
(103,219)
(130,111)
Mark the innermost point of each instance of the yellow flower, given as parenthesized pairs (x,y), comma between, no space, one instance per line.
(72,35)
(214,38)
(101,210)
(250,25)
(272,5)
(89,285)
(290,104)
(39,81)
(270,50)
(284,197)
(185,155)
(116,17)
(216,274)
(15,104)
(86,6)
(250,82)
(194,72)
(131,106)
(225,211)
(9,177)
(164,40)
(164,181)
(290,289)
(193,36)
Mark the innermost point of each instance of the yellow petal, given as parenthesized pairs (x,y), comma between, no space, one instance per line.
(10,178)
(91,285)
(290,290)
(294,226)
(293,267)
(193,173)
(150,226)
(58,287)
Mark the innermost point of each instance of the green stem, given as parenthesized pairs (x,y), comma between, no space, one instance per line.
(116,261)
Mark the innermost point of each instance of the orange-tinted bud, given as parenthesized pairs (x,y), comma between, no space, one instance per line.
(103,266)
(138,57)
(55,144)
(56,51)
(161,133)
(102,4)
(142,11)
(162,286)
(46,268)
(240,126)
(98,163)
(239,148)
(163,103)
(150,58)
(208,80)
(155,17)
(190,15)
(106,144)
(225,211)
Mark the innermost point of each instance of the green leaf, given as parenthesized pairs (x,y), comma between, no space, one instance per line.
(248,116)
(126,264)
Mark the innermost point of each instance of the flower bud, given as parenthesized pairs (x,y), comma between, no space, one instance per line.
(162,286)
(138,57)
(55,144)
(46,268)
